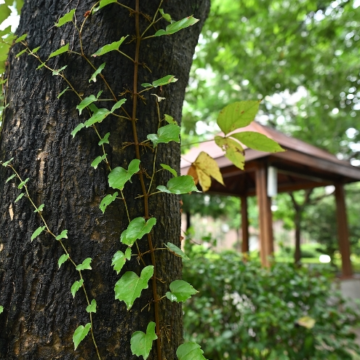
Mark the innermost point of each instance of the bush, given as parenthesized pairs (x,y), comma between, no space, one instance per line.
(246,312)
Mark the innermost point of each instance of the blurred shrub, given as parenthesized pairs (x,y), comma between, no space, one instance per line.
(246,312)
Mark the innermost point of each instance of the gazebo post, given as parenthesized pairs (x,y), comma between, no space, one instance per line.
(343,231)
(265,216)
(244,226)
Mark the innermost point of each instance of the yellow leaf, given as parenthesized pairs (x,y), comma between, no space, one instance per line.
(204,179)
(306,322)
(209,166)
(234,151)
(192,172)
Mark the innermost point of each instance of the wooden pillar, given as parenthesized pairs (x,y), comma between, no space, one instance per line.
(343,231)
(265,216)
(244,226)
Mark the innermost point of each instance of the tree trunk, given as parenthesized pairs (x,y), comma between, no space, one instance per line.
(297,253)
(40,314)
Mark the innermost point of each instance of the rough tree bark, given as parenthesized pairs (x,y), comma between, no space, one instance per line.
(40,314)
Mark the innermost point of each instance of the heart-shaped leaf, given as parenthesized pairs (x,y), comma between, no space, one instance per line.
(177,26)
(76,286)
(136,230)
(85,265)
(63,235)
(62,259)
(37,232)
(66,18)
(118,177)
(86,102)
(60,51)
(98,116)
(257,141)
(179,185)
(80,334)
(129,287)
(176,250)
(107,200)
(141,343)
(92,307)
(165,134)
(119,259)
(97,72)
(180,291)
(110,47)
(190,351)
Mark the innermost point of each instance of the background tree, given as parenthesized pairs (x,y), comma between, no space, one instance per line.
(40,314)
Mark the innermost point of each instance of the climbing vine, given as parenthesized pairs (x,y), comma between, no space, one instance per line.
(129,286)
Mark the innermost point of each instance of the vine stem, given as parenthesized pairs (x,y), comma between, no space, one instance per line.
(141,176)
(66,252)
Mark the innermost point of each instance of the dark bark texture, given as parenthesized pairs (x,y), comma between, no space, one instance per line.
(40,314)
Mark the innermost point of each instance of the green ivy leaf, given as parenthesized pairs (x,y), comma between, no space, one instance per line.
(97,161)
(10,178)
(34,51)
(23,183)
(40,208)
(167,17)
(60,51)
(136,230)
(233,150)
(119,176)
(6,163)
(166,80)
(63,92)
(104,3)
(119,104)
(169,119)
(4,12)
(104,140)
(40,66)
(19,197)
(180,291)
(177,26)
(57,72)
(66,18)
(107,200)
(97,72)
(237,115)
(141,343)
(169,168)
(110,47)
(77,129)
(1,309)
(119,259)
(179,185)
(85,265)
(76,286)
(128,288)
(257,141)
(177,251)
(63,258)
(86,102)
(63,235)
(165,134)
(97,117)
(37,232)
(21,38)
(190,351)
(80,334)
(20,53)
(92,307)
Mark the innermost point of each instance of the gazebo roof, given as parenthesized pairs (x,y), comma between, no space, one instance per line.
(301,166)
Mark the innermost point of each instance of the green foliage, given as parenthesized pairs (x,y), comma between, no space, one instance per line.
(190,351)
(85,265)
(66,18)
(136,230)
(177,26)
(176,250)
(257,141)
(251,312)
(141,343)
(60,51)
(118,177)
(40,208)
(119,259)
(92,307)
(76,286)
(180,291)
(107,200)
(165,134)
(110,47)
(129,287)
(80,334)
(179,185)
(37,232)
(168,79)
(1,309)
(63,235)
(86,102)
(169,168)
(97,72)
(63,258)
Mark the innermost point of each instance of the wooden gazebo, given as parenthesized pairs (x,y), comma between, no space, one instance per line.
(301,166)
